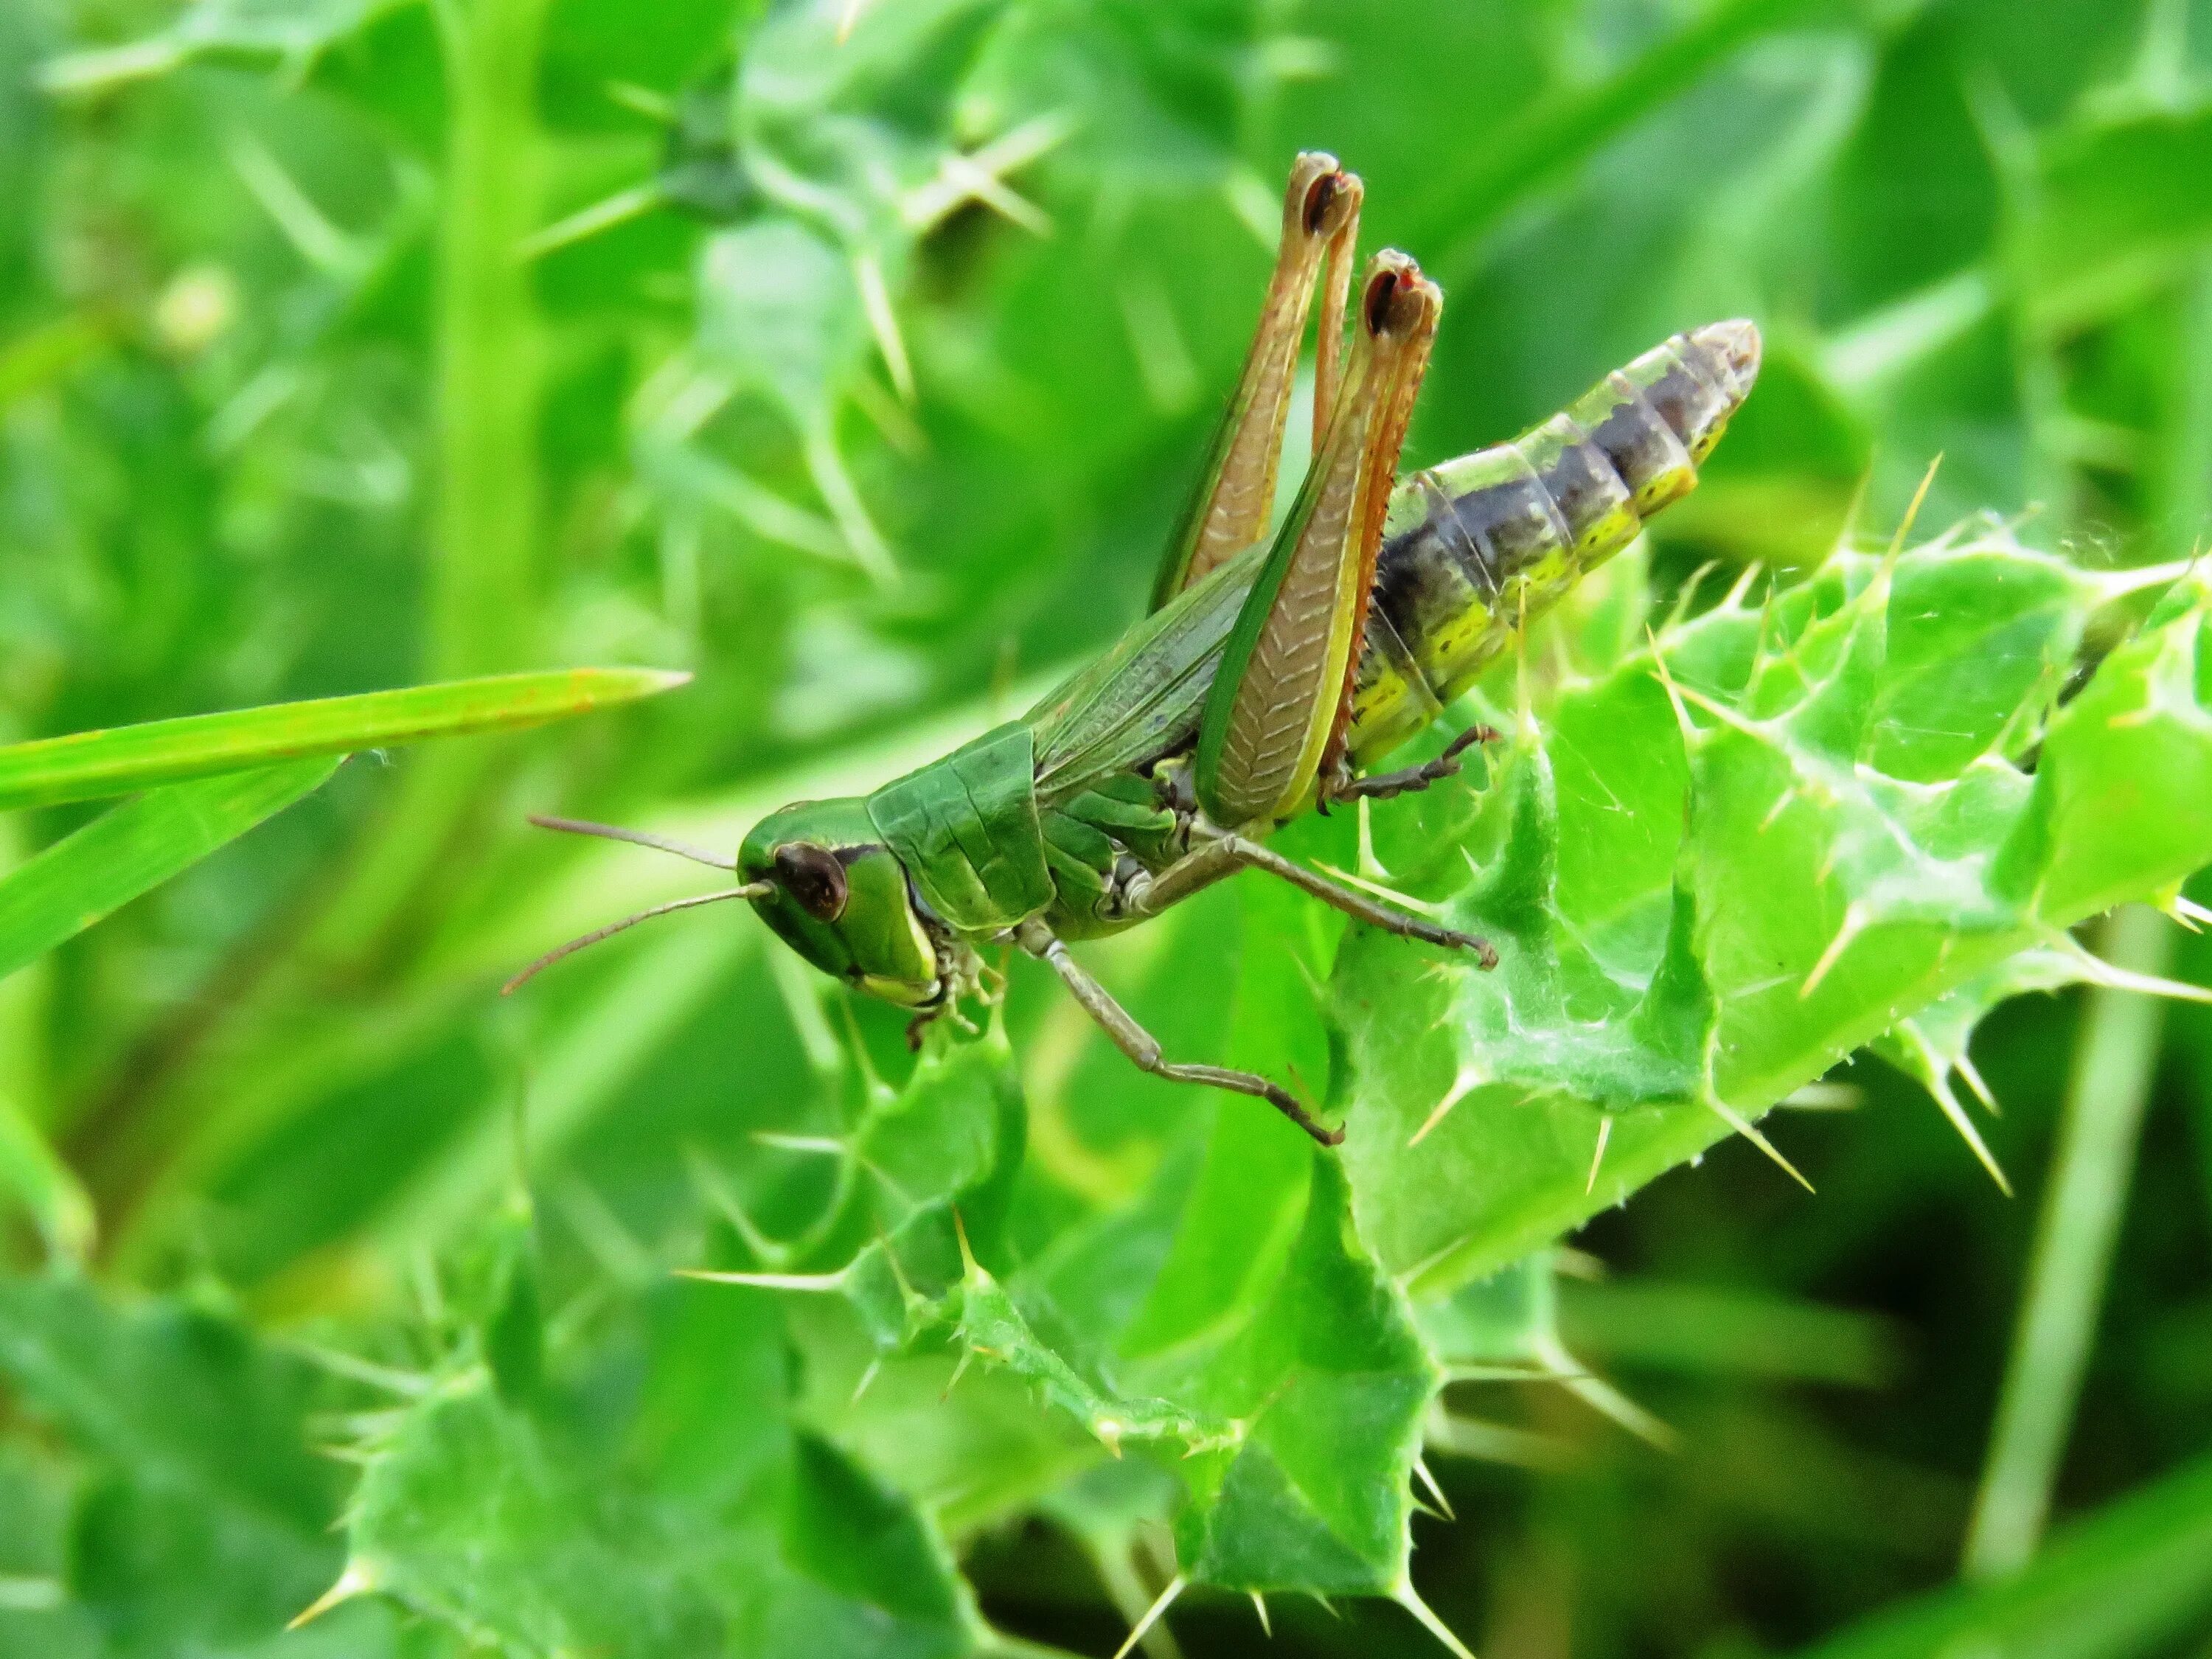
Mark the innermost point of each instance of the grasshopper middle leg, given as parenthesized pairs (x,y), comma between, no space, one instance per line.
(1142,1046)
(1409,780)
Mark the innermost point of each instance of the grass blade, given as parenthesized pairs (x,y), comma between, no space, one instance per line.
(93,765)
(87,876)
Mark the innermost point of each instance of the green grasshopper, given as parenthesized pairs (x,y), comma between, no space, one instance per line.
(1270,673)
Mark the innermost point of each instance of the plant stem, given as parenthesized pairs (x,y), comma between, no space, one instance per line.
(2114,1061)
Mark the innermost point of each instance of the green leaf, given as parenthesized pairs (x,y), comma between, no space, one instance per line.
(1293,1417)
(2120,206)
(779,309)
(1509,1318)
(91,765)
(1931,1046)
(662,1502)
(132,848)
(1327,1384)
(1237,1294)
(2122,794)
(207,1526)
(922,1173)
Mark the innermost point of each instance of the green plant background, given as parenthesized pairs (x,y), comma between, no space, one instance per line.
(347,344)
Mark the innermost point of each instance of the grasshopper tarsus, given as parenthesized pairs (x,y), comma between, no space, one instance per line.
(1250,1083)
(1485,953)
(1451,938)
(1288,1105)
(1473,735)
(1411,780)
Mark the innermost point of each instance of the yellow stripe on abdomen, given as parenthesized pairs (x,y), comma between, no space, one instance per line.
(1475,548)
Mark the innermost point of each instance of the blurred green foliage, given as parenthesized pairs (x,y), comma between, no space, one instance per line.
(854,356)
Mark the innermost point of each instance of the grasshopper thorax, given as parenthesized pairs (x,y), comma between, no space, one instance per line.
(840,897)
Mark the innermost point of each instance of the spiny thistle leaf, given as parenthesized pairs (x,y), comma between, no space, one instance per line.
(212,1513)
(1727,860)
(682,1512)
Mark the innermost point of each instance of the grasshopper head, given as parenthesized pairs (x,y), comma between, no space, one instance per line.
(839,897)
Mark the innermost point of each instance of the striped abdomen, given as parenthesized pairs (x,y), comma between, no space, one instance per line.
(1473,547)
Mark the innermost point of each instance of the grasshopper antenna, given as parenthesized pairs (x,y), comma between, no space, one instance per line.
(751,889)
(635,838)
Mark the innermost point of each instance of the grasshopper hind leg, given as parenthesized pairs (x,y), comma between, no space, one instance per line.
(1235,493)
(1279,704)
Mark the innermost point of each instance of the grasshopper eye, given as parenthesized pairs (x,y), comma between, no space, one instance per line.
(814,878)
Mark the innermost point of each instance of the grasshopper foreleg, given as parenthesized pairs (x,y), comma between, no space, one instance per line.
(1409,780)
(1143,1047)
